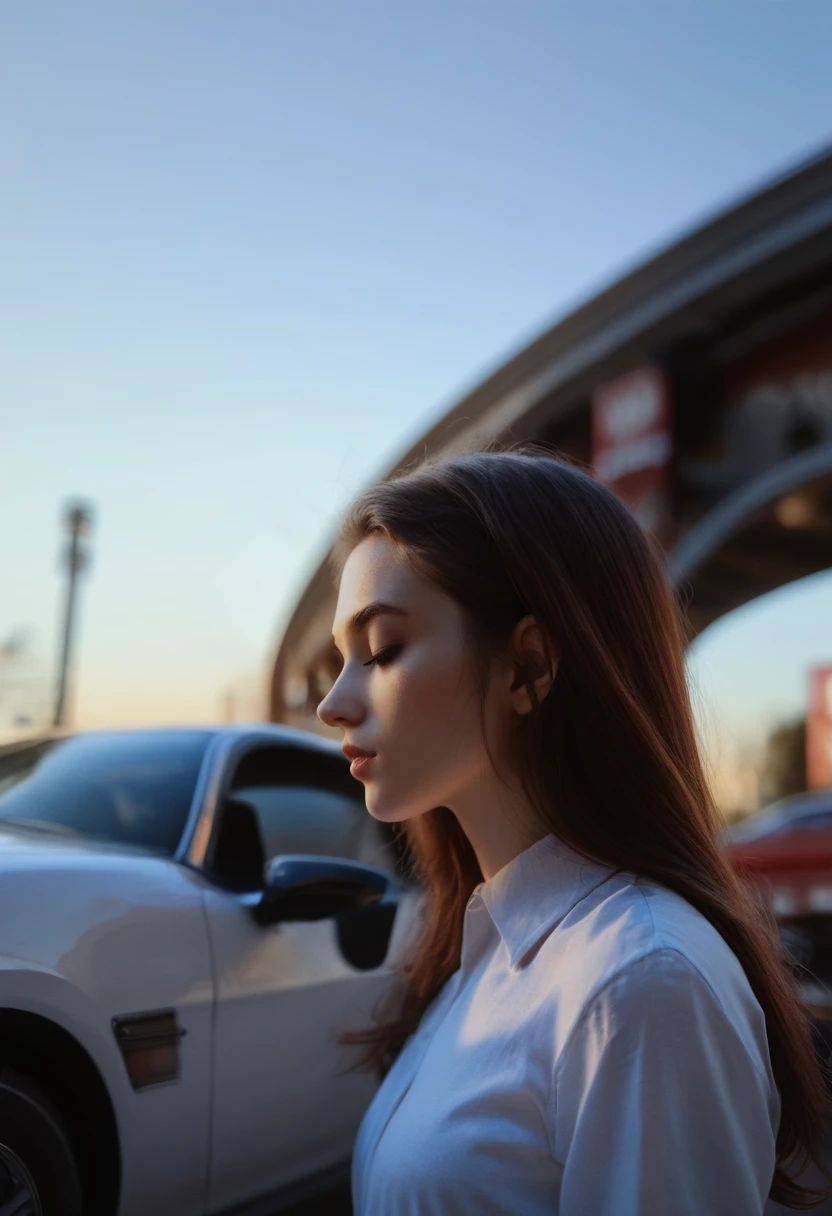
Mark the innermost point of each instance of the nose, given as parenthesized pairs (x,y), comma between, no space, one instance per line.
(340,707)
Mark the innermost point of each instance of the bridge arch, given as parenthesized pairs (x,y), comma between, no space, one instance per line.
(784,515)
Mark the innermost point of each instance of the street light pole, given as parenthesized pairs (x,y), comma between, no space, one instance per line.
(78,522)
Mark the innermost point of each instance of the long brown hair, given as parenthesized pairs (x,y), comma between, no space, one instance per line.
(609,757)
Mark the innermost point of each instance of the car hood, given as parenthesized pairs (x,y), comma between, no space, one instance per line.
(35,848)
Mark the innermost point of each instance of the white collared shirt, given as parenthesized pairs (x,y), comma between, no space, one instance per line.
(599,1052)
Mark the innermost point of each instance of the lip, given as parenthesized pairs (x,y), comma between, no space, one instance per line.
(359,759)
(359,767)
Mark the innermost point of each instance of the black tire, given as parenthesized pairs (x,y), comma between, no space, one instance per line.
(32,1135)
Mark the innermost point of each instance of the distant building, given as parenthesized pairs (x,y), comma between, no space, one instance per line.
(735,779)
(819,726)
(24,692)
(699,387)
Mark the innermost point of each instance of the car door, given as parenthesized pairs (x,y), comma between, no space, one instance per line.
(285,1109)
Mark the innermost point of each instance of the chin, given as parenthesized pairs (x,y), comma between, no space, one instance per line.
(386,809)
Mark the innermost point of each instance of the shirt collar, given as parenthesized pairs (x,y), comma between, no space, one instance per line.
(530,895)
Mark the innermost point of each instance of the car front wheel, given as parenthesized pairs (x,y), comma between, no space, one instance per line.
(38,1174)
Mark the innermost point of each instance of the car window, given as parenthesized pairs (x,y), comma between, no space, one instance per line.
(307,802)
(133,789)
(304,819)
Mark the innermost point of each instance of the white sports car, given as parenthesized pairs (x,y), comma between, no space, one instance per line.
(188,920)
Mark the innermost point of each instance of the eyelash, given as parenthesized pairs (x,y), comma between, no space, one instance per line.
(384,656)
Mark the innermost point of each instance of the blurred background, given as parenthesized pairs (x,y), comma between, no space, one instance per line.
(255,254)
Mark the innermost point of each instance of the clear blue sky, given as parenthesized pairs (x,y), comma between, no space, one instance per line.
(251,249)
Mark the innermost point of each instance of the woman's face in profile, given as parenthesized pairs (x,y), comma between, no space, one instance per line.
(407,694)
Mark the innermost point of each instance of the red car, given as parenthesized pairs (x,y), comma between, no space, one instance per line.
(787,851)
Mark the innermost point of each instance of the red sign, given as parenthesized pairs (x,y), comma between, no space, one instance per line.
(819,729)
(632,444)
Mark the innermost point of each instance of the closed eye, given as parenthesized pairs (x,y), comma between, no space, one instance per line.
(385,656)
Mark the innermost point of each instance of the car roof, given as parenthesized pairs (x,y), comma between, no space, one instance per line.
(231,734)
(782,813)
(235,730)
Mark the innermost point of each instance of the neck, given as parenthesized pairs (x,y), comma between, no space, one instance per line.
(499,822)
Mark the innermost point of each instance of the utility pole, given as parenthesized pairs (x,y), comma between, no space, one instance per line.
(78,523)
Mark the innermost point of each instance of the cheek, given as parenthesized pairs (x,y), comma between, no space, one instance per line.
(427,712)
(428,692)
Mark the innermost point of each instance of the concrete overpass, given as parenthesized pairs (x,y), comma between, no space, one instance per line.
(735,321)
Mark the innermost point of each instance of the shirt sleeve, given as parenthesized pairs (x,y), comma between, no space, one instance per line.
(658,1107)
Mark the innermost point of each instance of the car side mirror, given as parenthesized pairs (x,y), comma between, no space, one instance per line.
(304,887)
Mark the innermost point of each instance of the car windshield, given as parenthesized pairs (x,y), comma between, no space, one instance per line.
(132,789)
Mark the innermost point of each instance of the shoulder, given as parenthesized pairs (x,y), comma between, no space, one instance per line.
(633,946)
(628,921)
(661,983)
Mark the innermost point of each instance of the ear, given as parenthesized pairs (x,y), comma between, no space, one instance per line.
(534,659)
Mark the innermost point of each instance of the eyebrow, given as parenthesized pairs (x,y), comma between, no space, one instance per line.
(363,617)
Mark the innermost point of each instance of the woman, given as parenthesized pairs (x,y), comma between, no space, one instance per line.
(597,1019)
